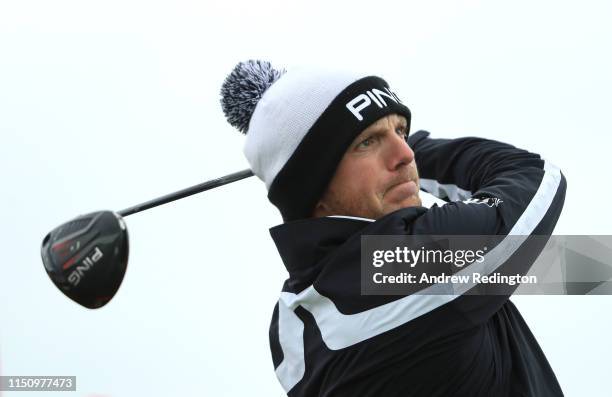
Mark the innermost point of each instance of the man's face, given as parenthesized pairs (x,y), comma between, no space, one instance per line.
(376,176)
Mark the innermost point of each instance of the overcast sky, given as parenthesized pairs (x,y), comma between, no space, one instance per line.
(104,105)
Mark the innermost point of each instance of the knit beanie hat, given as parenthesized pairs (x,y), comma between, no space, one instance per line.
(299,123)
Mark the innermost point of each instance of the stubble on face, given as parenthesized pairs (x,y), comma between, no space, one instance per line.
(351,201)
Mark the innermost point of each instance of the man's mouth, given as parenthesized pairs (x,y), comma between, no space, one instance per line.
(402,189)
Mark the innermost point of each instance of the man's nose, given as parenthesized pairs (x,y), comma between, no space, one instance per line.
(398,153)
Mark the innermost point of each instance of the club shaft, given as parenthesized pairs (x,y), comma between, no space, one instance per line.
(224,180)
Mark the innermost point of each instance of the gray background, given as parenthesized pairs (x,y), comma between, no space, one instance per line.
(107,104)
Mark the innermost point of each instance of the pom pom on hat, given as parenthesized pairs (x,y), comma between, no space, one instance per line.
(243,88)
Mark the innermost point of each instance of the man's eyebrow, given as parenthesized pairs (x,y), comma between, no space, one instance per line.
(367,133)
(373,130)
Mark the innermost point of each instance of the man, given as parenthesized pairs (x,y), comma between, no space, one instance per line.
(334,152)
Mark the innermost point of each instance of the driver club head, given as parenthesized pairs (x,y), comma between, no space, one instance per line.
(86,258)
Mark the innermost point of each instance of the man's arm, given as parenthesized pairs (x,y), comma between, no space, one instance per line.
(513,192)
(496,181)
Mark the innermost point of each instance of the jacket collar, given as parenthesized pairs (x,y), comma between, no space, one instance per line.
(303,243)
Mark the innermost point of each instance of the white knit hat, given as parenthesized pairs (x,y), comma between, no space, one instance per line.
(299,123)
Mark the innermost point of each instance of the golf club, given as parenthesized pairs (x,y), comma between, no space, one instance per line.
(86,257)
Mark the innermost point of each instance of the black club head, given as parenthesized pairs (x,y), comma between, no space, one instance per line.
(86,258)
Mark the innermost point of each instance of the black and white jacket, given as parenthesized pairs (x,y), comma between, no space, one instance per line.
(329,340)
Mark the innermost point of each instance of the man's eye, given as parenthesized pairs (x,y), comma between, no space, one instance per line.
(365,143)
(401,131)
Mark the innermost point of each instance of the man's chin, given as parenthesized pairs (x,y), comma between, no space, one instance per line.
(411,201)
(417,200)
(387,208)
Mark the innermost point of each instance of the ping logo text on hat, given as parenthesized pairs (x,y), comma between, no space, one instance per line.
(362,101)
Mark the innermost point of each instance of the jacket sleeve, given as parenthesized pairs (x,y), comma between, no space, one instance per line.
(499,190)
(499,185)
